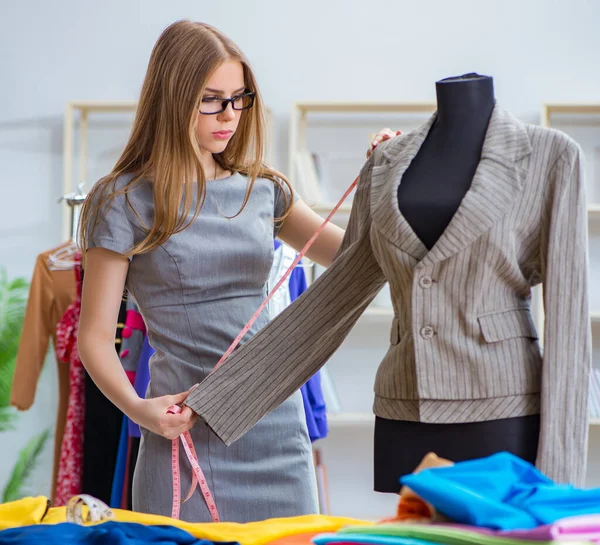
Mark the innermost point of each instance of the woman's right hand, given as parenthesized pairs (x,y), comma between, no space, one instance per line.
(382,136)
(152,414)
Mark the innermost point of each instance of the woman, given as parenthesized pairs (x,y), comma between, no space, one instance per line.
(185,222)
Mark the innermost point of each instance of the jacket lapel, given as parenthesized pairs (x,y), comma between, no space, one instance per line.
(496,184)
(394,159)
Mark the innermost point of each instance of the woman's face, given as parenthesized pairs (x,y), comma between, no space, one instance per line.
(215,131)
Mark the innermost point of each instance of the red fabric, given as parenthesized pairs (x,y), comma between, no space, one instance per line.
(70,469)
(134,320)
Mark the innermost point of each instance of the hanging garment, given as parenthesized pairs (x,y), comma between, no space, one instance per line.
(295,285)
(465,303)
(134,332)
(70,471)
(130,437)
(50,293)
(500,492)
(133,335)
(142,379)
(102,431)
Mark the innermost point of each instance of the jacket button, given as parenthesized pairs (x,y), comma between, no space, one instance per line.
(427,332)
(425,282)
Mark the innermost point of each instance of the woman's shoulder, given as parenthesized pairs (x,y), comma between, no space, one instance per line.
(121,189)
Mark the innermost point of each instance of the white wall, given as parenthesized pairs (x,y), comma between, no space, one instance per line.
(52,52)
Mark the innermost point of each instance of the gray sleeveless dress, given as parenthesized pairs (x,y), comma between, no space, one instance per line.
(196,292)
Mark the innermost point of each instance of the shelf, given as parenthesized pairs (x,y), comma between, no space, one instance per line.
(326,208)
(104,106)
(594,421)
(594,211)
(366,107)
(302,170)
(350,419)
(379,312)
(568,108)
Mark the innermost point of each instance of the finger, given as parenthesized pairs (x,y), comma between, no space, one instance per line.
(382,135)
(174,426)
(187,413)
(177,399)
(385,132)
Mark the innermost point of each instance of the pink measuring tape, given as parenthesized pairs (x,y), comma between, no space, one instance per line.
(198,478)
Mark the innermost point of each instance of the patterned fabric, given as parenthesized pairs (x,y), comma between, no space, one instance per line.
(70,470)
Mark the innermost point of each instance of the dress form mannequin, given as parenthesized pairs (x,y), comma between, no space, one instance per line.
(438,178)
(429,195)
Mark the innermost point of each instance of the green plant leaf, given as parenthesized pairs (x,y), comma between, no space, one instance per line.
(7,371)
(26,463)
(7,418)
(13,301)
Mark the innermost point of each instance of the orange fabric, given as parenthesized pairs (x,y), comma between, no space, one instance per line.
(50,293)
(295,539)
(411,507)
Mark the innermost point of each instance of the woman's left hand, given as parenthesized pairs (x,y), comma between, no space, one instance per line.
(383,134)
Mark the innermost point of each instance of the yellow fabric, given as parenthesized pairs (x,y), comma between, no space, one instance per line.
(23,512)
(251,533)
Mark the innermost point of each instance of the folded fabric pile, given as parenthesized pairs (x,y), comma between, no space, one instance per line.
(31,521)
(499,500)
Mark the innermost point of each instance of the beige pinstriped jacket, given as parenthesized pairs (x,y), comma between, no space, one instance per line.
(463,345)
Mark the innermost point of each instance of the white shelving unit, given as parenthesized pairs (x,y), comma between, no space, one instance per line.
(76,142)
(349,127)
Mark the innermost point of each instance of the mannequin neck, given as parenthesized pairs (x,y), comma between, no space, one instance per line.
(465,101)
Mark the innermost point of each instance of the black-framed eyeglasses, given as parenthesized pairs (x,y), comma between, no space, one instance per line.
(216,105)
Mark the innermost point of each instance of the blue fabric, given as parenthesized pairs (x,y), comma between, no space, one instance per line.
(325,539)
(500,492)
(142,379)
(108,533)
(315,409)
(116,493)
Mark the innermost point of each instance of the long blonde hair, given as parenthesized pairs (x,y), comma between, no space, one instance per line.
(163,143)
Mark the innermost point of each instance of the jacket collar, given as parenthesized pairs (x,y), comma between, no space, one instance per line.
(496,184)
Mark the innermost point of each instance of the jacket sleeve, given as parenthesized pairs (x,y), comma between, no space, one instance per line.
(35,336)
(562,450)
(268,369)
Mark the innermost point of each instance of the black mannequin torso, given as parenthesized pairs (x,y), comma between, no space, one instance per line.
(439,176)
(429,194)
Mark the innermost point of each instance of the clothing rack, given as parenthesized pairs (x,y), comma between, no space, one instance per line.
(74,201)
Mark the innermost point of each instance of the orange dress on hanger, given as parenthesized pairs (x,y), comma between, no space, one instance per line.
(50,293)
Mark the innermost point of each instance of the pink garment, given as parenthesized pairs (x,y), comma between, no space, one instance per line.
(578,528)
(70,470)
